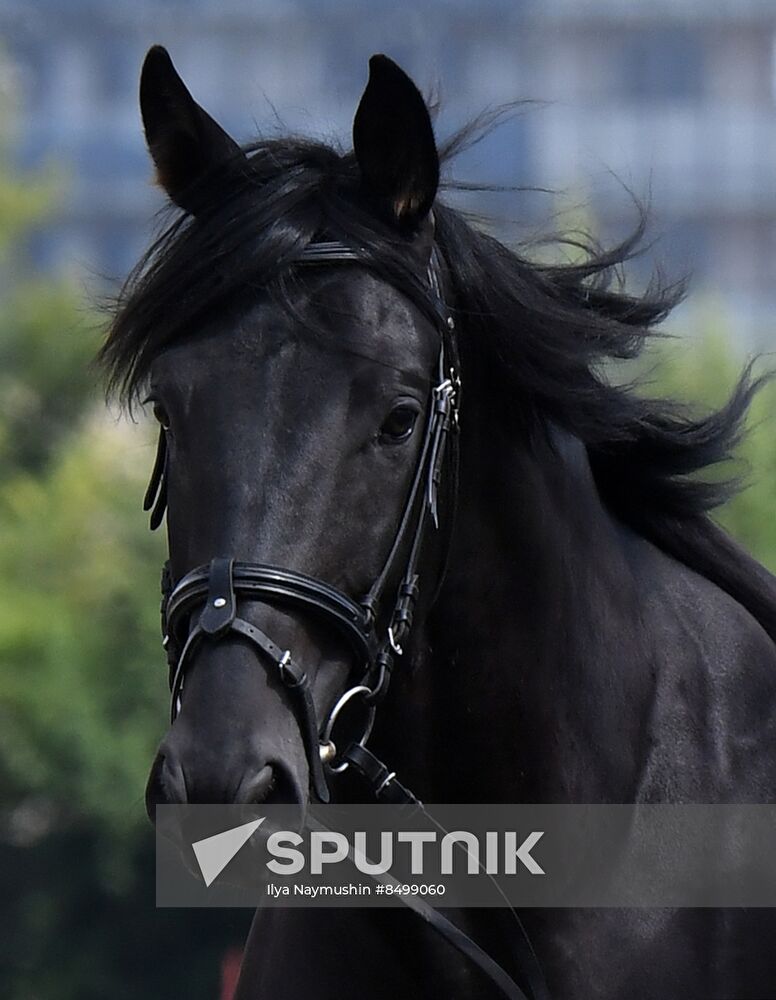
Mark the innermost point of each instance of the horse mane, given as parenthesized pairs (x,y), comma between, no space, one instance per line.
(548,334)
(545,332)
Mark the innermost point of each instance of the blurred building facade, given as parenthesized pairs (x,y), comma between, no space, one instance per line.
(672,99)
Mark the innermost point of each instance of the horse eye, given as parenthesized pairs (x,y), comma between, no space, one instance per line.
(399,423)
(161,416)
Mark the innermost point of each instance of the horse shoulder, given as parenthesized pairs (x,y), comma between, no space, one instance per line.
(714,696)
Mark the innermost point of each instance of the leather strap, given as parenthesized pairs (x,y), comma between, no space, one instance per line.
(462,942)
(282,587)
(297,681)
(385,786)
(220,619)
(220,608)
(382,782)
(155,498)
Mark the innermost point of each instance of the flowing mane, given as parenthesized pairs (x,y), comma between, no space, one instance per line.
(545,334)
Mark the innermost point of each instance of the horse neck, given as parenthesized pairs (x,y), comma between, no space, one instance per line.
(533,678)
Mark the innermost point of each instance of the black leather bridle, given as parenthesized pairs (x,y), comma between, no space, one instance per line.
(374,642)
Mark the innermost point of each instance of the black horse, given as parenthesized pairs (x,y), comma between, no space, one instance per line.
(583,632)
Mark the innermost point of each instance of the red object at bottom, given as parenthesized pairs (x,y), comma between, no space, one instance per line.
(230,972)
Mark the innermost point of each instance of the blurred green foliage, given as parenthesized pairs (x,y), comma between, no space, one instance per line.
(45,339)
(82,681)
(79,621)
(45,377)
(702,367)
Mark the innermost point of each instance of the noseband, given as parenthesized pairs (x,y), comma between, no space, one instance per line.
(374,640)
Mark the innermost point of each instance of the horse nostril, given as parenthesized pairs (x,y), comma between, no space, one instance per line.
(257,788)
(165,786)
(273,784)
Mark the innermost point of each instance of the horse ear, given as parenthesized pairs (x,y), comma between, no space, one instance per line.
(188,147)
(394,144)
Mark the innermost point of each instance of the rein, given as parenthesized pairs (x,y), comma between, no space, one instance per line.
(217,588)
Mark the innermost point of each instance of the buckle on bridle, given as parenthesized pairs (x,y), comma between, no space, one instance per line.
(283,663)
(444,394)
(393,643)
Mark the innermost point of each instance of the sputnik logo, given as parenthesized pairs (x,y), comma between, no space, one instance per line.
(214,853)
